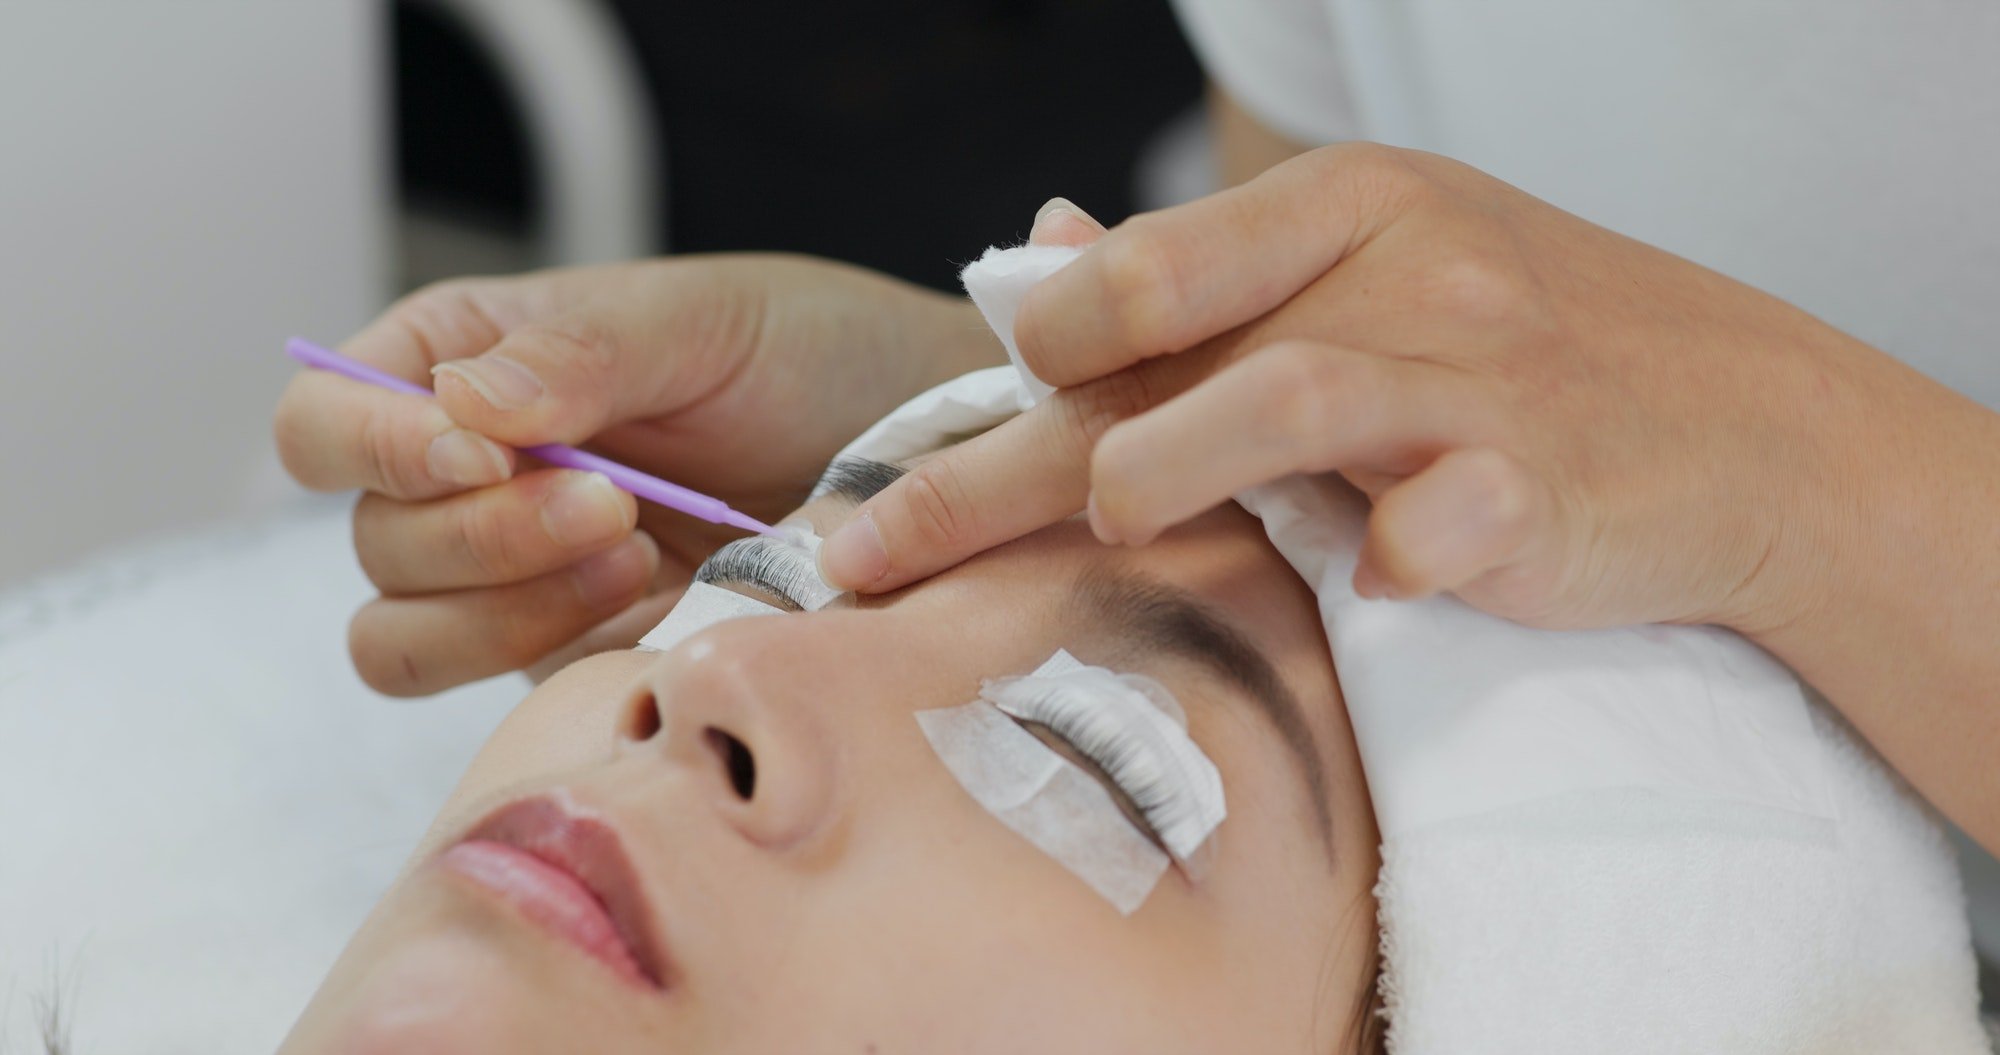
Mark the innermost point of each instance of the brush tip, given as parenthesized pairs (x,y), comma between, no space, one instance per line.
(736,519)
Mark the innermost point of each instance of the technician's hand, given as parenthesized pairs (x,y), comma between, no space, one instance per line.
(736,375)
(1559,424)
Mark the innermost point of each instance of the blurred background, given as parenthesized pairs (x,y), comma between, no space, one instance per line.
(185,184)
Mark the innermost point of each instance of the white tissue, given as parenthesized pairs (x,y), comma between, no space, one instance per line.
(998,280)
(702,606)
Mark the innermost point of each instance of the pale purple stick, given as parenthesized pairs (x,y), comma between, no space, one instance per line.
(651,488)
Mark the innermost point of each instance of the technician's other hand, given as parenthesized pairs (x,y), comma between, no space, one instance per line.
(736,375)
(1559,424)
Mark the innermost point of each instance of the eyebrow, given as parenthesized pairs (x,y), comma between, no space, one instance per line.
(857,479)
(1163,619)
(1167,619)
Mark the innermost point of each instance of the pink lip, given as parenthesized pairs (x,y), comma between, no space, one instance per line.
(568,873)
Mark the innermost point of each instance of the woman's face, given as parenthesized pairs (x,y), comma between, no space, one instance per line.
(802,873)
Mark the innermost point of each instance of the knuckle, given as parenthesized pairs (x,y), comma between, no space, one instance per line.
(381,450)
(444,318)
(1302,388)
(1090,411)
(485,545)
(1373,165)
(1475,288)
(582,346)
(939,505)
(1498,487)
(1145,281)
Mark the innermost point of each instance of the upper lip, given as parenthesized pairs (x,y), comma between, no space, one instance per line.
(557,831)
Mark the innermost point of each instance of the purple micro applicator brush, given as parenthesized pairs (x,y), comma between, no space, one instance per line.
(651,488)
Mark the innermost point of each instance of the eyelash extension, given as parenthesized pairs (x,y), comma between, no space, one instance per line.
(784,566)
(1119,723)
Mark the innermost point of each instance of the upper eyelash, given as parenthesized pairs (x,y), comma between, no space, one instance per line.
(1163,796)
(776,566)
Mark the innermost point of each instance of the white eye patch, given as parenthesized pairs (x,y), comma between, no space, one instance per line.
(1046,800)
(702,606)
(1135,730)
(1052,802)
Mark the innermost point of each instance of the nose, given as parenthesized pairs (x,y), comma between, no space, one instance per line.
(730,708)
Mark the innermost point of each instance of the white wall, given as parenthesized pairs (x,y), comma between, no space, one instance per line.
(183,184)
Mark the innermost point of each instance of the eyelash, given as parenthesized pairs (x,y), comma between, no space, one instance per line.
(1164,799)
(780,567)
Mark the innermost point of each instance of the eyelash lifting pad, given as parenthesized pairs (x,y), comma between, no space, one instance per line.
(1136,731)
(1044,798)
(702,606)
(651,488)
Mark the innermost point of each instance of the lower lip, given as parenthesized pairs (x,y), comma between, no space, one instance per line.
(548,896)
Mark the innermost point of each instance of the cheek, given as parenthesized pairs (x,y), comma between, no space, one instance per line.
(934,928)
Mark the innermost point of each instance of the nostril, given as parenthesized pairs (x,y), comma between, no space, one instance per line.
(736,760)
(642,718)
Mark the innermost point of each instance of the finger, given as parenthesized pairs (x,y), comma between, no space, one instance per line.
(1294,406)
(529,526)
(569,379)
(1471,512)
(1029,472)
(336,434)
(1165,281)
(412,646)
(1060,222)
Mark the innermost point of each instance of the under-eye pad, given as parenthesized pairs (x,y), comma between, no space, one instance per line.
(702,606)
(1046,799)
(1136,731)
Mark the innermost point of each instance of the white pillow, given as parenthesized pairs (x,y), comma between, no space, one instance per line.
(200,799)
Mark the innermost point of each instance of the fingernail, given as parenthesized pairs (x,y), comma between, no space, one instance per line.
(852,557)
(500,381)
(1096,518)
(1051,218)
(1056,205)
(464,458)
(616,576)
(1368,583)
(583,509)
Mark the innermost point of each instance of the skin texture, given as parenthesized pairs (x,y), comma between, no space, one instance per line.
(1557,424)
(860,901)
(487,563)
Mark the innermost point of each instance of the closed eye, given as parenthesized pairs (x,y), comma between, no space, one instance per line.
(1097,772)
(781,569)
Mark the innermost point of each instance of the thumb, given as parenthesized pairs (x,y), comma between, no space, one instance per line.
(558,382)
(1060,222)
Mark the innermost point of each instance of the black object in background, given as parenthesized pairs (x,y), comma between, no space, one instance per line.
(905,136)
